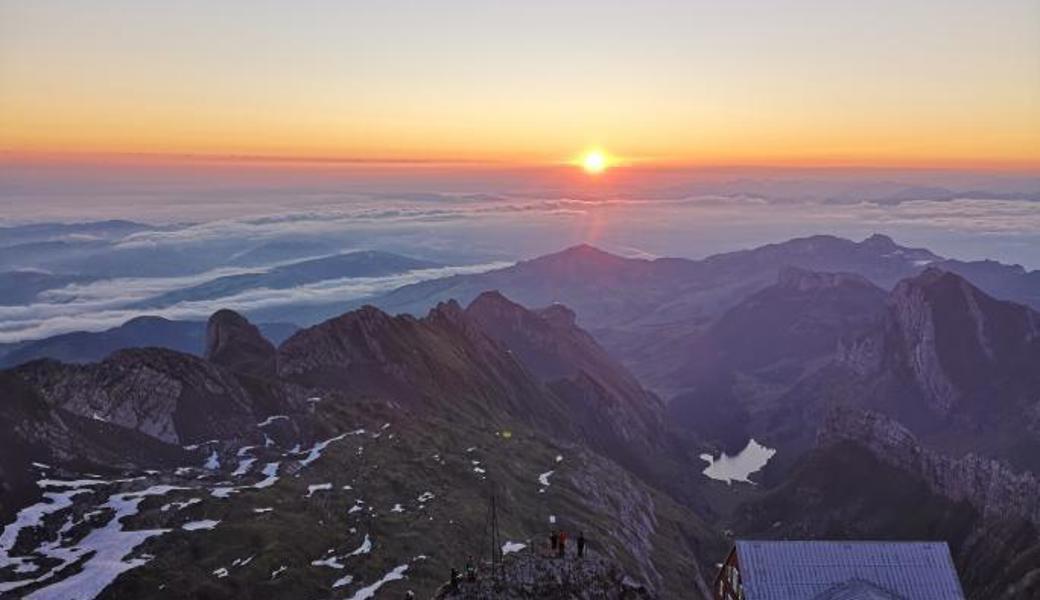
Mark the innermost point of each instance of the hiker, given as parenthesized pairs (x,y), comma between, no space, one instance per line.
(454,578)
(471,571)
(554,540)
(581,544)
(562,548)
(409,595)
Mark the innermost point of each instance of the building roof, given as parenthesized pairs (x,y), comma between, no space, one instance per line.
(816,570)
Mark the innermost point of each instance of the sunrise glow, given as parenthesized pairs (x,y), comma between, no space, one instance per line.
(594,162)
(362,84)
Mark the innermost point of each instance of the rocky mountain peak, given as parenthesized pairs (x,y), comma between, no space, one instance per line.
(448,312)
(879,241)
(559,316)
(493,307)
(493,299)
(582,259)
(232,341)
(452,317)
(966,358)
(587,251)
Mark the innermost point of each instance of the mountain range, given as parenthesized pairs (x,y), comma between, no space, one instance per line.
(580,390)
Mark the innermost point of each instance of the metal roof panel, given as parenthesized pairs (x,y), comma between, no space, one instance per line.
(806,570)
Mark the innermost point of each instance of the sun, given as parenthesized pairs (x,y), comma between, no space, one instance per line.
(594,162)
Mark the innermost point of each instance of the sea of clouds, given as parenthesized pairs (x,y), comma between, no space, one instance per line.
(467,231)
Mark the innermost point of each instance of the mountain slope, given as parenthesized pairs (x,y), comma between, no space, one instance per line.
(394,432)
(956,366)
(757,350)
(610,411)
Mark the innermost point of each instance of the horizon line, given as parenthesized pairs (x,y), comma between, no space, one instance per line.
(203,159)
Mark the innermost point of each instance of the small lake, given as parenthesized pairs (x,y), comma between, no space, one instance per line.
(728,468)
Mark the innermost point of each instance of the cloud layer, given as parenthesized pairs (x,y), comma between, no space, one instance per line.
(471,231)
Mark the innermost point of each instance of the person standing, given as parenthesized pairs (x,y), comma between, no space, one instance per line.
(562,544)
(581,544)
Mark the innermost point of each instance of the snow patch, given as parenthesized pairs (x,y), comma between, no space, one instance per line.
(108,548)
(370,591)
(213,462)
(197,525)
(223,492)
(315,451)
(364,548)
(270,473)
(317,487)
(272,419)
(179,505)
(243,467)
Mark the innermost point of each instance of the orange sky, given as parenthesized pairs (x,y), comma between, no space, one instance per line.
(782,83)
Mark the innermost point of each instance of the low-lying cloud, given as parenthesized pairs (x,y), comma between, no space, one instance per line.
(44,319)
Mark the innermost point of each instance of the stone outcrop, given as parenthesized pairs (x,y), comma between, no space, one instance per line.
(173,397)
(530,574)
(989,485)
(233,342)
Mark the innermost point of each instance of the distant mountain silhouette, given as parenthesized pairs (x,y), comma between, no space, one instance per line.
(645,312)
(88,346)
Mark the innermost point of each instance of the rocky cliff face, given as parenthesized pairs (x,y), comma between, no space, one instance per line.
(172,397)
(914,319)
(989,485)
(957,342)
(945,357)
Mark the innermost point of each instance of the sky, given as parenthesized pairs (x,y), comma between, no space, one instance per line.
(948,83)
